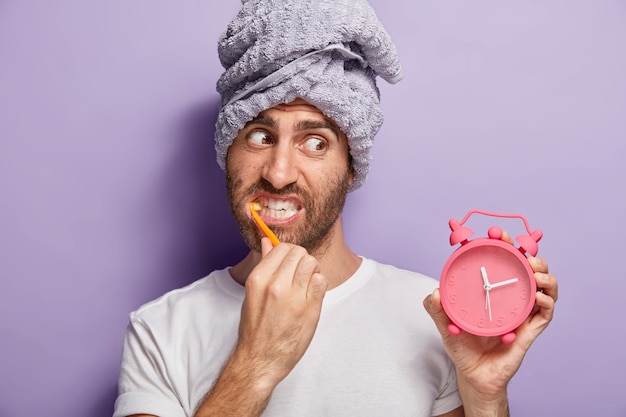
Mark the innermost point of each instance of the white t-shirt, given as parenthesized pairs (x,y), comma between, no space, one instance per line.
(376,352)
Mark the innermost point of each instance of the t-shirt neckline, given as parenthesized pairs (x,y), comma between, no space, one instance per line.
(360,277)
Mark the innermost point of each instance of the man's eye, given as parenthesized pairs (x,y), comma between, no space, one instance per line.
(259,137)
(315,144)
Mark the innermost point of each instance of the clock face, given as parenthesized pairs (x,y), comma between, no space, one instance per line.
(487,287)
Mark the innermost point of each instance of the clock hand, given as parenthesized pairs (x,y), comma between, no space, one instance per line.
(487,287)
(483,271)
(506,282)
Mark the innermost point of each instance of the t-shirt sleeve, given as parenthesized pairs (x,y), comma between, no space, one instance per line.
(144,384)
(448,398)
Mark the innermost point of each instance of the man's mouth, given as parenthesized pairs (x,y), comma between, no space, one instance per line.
(277,209)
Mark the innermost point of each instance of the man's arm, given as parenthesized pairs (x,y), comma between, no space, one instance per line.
(239,391)
(484,366)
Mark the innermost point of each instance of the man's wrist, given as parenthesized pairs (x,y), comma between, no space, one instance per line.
(478,403)
(241,389)
(495,409)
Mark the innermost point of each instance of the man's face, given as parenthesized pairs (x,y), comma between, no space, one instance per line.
(293,161)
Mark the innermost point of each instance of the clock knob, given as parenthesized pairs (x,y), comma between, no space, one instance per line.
(528,243)
(459,233)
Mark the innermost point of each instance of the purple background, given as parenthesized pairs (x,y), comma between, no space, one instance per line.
(110,194)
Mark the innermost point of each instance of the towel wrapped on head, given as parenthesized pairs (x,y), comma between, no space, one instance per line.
(327,52)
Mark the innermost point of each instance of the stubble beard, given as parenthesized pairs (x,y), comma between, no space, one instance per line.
(314,230)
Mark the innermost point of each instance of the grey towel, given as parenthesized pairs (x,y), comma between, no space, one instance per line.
(328,52)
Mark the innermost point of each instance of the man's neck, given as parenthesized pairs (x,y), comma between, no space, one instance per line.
(337,261)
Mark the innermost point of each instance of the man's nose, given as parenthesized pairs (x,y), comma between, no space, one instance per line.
(280,168)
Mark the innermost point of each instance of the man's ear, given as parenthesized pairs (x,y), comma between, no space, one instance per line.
(350,170)
(227,156)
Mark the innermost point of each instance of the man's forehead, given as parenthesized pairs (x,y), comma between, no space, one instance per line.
(299,104)
(310,117)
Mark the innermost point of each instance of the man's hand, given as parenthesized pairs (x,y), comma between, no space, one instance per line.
(279,316)
(284,295)
(485,366)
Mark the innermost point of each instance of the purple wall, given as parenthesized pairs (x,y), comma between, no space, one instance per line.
(110,195)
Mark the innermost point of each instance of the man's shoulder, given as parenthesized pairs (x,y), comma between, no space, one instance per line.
(183,299)
(402,275)
(395,281)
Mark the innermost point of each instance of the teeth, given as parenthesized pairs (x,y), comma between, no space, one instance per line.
(280,205)
(279,209)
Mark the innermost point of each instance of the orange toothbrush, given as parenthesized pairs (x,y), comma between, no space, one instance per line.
(254,206)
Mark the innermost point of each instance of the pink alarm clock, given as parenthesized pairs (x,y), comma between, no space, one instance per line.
(487,286)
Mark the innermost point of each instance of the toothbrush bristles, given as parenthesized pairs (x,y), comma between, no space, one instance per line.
(254,206)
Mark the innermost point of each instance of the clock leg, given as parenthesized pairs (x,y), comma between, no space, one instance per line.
(508,338)
(453,329)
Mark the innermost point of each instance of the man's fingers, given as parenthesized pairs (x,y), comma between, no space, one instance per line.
(546,282)
(538,264)
(291,266)
(307,266)
(308,280)
(317,288)
(277,266)
(506,237)
(266,246)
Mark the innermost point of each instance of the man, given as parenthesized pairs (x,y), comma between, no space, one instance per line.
(308,328)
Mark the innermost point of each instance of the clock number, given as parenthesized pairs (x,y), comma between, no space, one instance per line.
(482,322)
(514,312)
(464,312)
(524,294)
(452,298)
(500,321)
(451,280)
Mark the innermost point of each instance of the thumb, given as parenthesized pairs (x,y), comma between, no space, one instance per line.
(432,304)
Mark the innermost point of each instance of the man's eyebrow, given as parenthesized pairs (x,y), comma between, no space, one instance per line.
(309,124)
(264,120)
(317,124)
